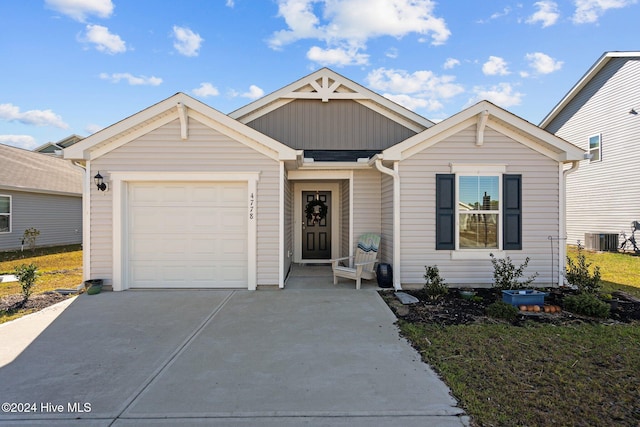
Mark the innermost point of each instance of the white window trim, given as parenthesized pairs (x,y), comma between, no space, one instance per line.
(10,214)
(479,169)
(599,135)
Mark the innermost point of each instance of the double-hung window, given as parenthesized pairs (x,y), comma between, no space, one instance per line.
(5,214)
(595,148)
(478,207)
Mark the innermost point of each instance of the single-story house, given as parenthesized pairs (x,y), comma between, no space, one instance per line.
(41,192)
(196,198)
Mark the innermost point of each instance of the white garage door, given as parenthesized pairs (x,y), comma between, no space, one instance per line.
(187,235)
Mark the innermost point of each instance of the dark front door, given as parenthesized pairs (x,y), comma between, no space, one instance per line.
(316,235)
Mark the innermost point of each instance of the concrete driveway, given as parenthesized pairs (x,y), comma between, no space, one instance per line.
(224,358)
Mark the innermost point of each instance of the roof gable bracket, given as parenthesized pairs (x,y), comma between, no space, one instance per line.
(483,116)
(184,121)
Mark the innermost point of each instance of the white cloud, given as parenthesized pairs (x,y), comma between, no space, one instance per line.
(230,3)
(187,42)
(502,94)
(11,113)
(81,9)
(206,90)
(337,56)
(547,13)
(254,92)
(413,103)
(131,79)
(104,40)
(588,11)
(391,53)
(542,63)
(21,141)
(497,15)
(93,128)
(495,66)
(347,25)
(421,89)
(450,63)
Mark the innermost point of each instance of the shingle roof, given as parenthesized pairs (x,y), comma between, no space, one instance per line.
(27,170)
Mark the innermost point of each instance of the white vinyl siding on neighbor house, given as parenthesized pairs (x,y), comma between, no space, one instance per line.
(57,217)
(603,196)
(540,207)
(206,150)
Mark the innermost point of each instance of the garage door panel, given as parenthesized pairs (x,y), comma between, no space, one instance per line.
(187,235)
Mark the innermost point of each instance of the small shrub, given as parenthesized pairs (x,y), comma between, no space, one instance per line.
(507,276)
(26,275)
(578,274)
(587,304)
(29,238)
(502,310)
(435,286)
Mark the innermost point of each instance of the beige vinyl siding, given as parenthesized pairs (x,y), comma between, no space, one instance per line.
(366,203)
(540,195)
(386,216)
(58,218)
(344,219)
(288,226)
(604,196)
(334,125)
(206,150)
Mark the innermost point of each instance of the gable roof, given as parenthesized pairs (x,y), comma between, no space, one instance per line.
(24,170)
(586,78)
(52,147)
(179,106)
(484,114)
(325,85)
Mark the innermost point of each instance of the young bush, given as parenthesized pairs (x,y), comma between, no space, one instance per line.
(26,275)
(435,287)
(502,310)
(507,276)
(587,304)
(578,274)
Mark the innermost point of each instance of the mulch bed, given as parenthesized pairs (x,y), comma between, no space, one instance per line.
(452,309)
(12,303)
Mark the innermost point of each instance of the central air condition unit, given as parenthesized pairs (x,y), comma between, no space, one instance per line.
(606,242)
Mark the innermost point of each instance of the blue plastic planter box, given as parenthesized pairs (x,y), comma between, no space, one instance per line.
(523,297)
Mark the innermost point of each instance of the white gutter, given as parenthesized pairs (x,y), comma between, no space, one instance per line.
(396,216)
(562,244)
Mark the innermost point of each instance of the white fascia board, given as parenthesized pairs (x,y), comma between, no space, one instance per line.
(165,112)
(584,80)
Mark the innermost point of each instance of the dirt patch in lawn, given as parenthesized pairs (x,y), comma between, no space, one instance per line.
(452,309)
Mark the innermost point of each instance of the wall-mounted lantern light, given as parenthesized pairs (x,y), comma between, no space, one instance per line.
(99,180)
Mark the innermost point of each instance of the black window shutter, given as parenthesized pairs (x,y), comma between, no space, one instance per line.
(512,212)
(445,211)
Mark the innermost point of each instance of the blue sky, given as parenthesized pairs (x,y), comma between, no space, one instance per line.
(76,66)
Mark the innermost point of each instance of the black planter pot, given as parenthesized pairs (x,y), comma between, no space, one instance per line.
(384,275)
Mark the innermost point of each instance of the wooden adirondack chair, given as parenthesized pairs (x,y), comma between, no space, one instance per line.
(361,266)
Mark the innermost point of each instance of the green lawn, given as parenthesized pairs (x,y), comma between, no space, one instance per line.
(583,374)
(59,267)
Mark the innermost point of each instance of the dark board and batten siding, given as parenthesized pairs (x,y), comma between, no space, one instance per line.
(334,125)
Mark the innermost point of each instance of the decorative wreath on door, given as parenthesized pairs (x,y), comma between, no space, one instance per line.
(316,210)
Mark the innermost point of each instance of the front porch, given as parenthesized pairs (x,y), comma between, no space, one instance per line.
(320,276)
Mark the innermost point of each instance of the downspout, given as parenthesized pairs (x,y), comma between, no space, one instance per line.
(562,247)
(396,217)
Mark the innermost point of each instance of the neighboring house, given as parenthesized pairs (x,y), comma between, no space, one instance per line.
(41,192)
(56,148)
(196,198)
(601,114)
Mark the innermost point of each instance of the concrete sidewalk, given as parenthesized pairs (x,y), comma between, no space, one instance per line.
(236,358)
